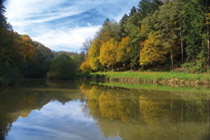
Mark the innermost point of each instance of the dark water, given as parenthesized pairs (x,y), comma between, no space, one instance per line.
(41,110)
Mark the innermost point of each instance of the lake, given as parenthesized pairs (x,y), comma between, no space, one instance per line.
(43,110)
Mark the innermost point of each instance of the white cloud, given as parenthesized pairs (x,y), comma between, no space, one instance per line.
(71,110)
(65,39)
(23,12)
(52,22)
(54,121)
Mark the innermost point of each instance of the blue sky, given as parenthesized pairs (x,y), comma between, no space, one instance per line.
(63,25)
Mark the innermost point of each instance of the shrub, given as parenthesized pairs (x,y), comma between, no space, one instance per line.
(85,67)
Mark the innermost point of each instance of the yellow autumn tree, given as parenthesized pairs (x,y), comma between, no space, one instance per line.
(108,53)
(123,50)
(152,110)
(85,66)
(152,52)
(93,54)
(113,107)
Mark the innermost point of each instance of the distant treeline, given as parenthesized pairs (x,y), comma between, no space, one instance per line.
(157,35)
(20,57)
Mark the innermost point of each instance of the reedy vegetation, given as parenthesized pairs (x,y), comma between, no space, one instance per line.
(157,35)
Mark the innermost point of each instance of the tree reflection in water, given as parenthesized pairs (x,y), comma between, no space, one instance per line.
(148,114)
(128,114)
(20,101)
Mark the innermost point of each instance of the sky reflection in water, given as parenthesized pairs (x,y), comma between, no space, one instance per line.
(56,121)
(64,111)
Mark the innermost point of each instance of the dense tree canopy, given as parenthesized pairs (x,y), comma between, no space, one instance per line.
(167,34)
(157,35)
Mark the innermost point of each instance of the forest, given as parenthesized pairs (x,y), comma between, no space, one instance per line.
(158,35)
(170,35)
(21,57)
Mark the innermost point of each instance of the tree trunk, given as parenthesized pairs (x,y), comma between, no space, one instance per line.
(182,47)
(172,59)
(207,24)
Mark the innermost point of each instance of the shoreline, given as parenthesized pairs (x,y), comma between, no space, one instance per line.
(160,78)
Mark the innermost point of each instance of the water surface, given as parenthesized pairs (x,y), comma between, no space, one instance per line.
(40,110)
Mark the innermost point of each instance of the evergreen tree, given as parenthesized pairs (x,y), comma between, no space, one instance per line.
(193,27)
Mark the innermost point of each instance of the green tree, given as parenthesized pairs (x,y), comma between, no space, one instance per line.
(123,23)
(133,32)
(62,67)
(168,26)
(9,72)
(148,7)
(207,24)
(193,24)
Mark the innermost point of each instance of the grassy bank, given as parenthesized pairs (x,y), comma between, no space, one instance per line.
(155,77)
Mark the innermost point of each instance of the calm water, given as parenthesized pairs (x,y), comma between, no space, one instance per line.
(41,110)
